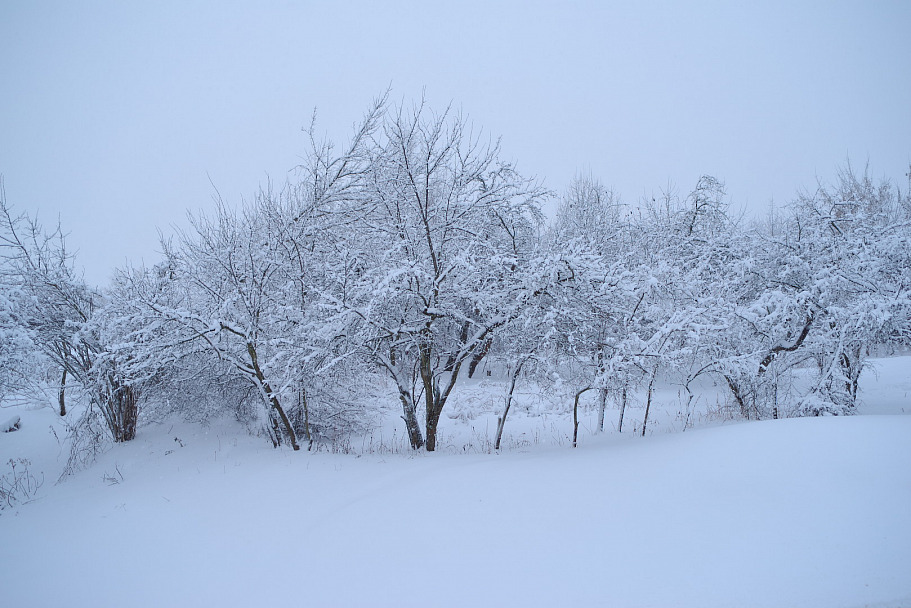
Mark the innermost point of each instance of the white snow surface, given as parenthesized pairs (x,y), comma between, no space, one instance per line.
(797,512)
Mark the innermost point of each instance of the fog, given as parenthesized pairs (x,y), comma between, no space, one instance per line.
(117,118)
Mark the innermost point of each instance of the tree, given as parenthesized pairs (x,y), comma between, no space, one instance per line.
(611,303)
(441,231)
(221,292)
(57,310)
(856,236)
(19,358)
(49,301)
(247,291)
(819,285)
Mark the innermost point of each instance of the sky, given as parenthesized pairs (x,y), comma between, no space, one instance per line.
(116,118)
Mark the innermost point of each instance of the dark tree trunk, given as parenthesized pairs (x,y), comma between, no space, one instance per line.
(435,395)
(122,411)
(275,431)
(61,395)
(272,397)
(478,357)
(434,398)
(432,405)
(130,413)
(432,423)
(622,409)
(434,402)
(745,410)
(286,423)
(648,399)
(306,410)
(851,365)
(773,352)
(501,421)
(576,415)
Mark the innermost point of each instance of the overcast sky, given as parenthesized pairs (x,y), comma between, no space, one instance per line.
(115,116)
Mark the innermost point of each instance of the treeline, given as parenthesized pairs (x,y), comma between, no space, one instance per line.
(414,253)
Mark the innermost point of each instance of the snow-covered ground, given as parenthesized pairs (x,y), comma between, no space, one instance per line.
(796,512)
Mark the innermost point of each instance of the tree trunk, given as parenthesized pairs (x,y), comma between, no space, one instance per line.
(602,405)
(409,415)
(306,410)
(622,409)
(745,410)
(851,367)
(773,352)
(434,397)
(648,399)
(576,415)
(122,410)
(275,431)
(432,405)
(433,421)
(61,395)
(435,400)
(289,428)
(272,397)
(130,413)
(501,421)
(478,356)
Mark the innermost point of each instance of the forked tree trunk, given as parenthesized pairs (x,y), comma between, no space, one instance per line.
(434,397)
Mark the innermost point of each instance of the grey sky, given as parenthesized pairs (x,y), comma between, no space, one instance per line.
(115,115)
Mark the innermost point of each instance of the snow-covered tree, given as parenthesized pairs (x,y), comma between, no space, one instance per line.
(856,238)
(617,305)
(19,357)
(249,291)
(57,310)
(441,231)
(46,301)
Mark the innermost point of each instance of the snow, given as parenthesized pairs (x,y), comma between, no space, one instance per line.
(796,512)
(888,386)
(10,425)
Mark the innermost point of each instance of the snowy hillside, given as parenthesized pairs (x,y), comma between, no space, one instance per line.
(798,512)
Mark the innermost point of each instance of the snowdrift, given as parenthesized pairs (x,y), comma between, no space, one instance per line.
(801,512)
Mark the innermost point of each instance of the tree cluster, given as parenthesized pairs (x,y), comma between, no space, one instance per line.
(406,258)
